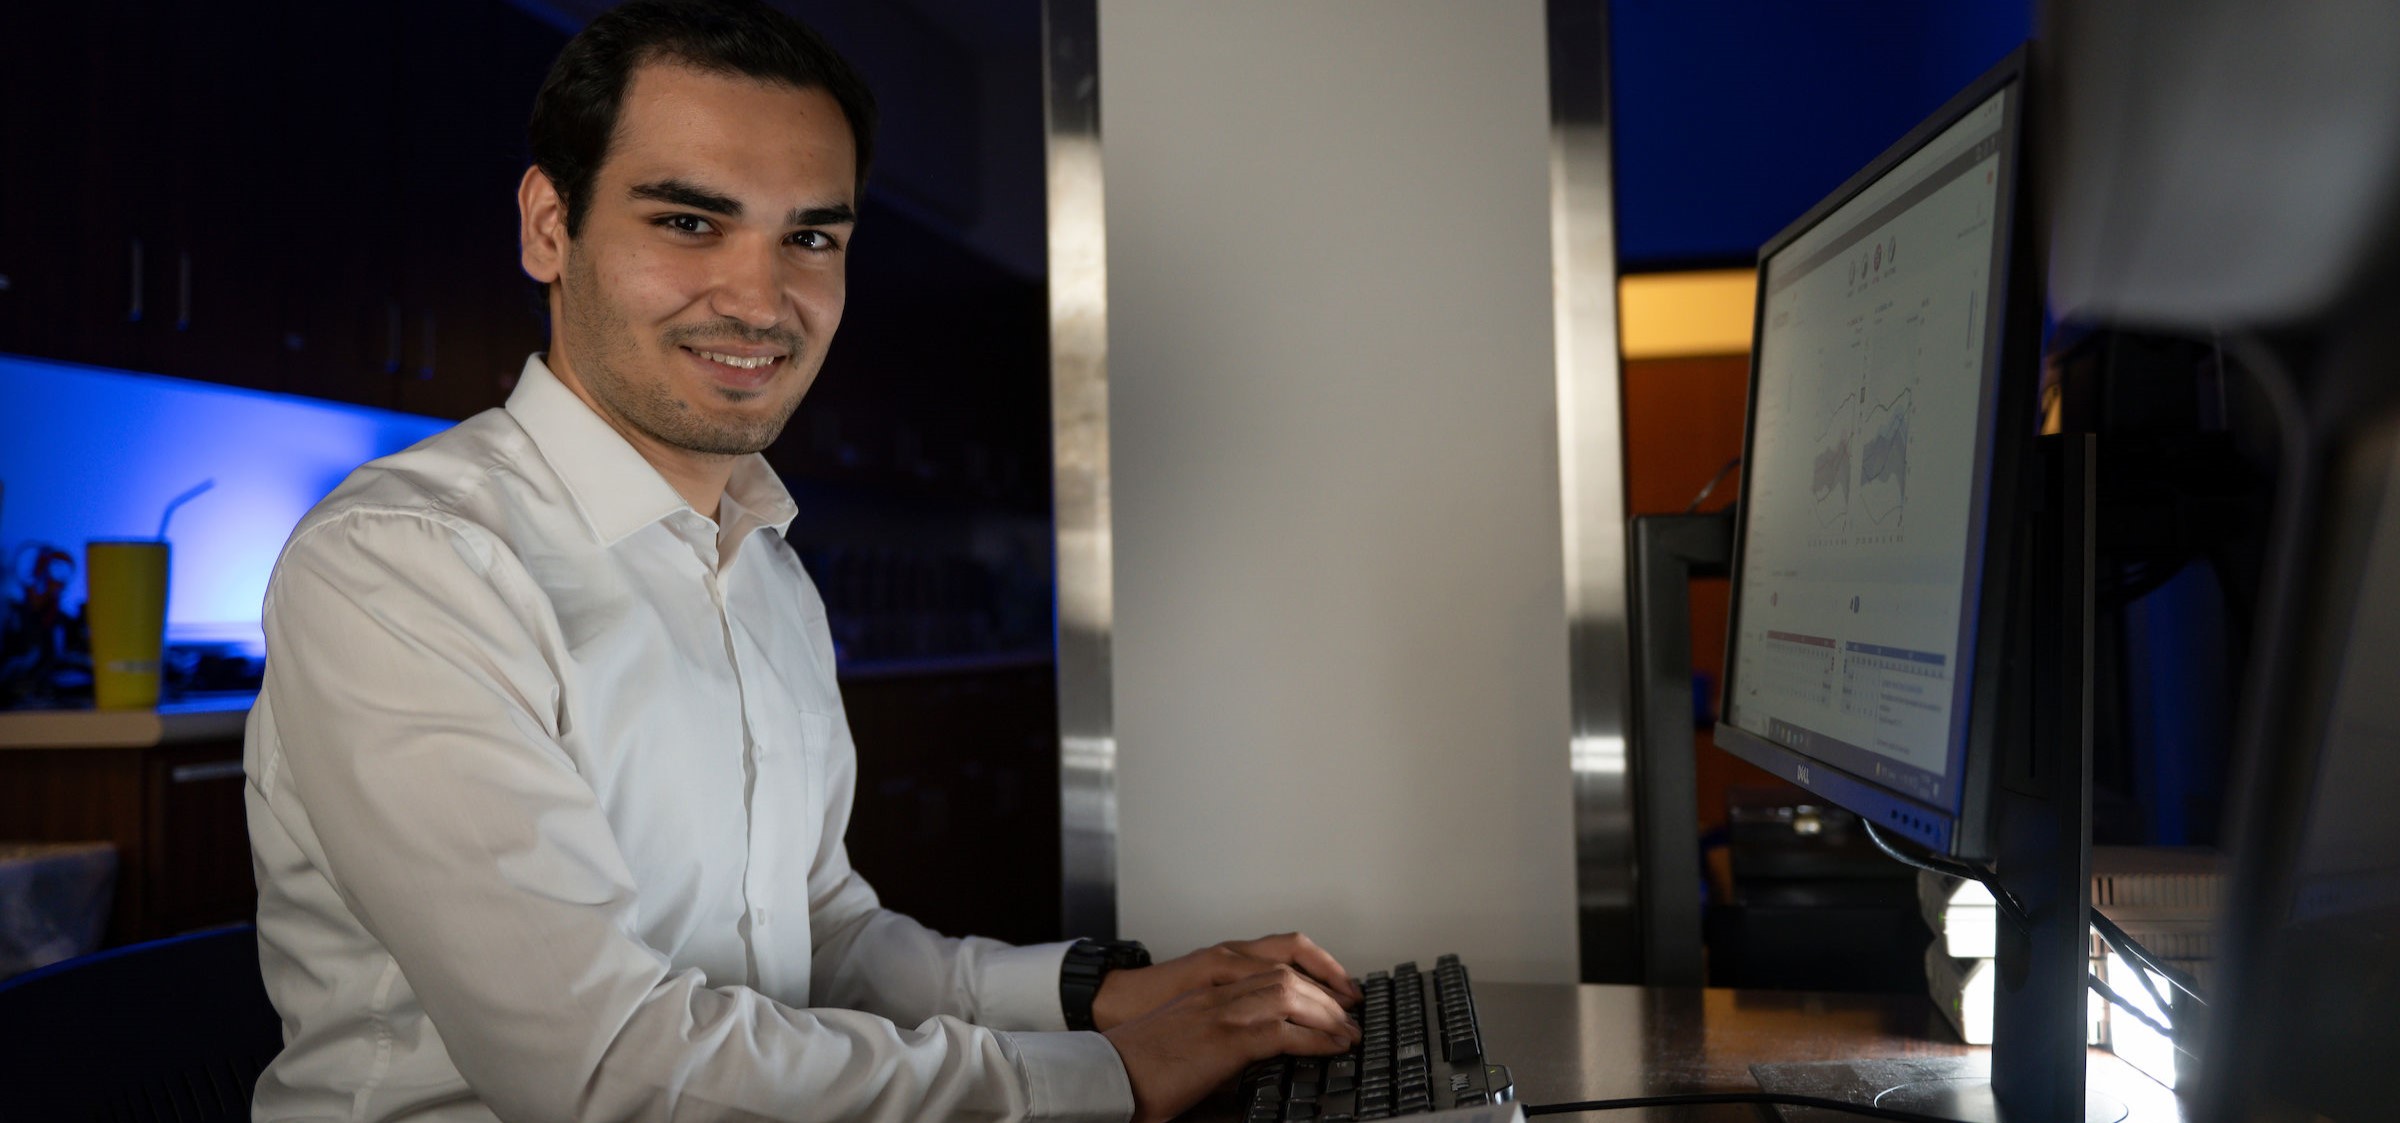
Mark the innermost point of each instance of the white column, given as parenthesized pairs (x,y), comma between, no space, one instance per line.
(1340,650)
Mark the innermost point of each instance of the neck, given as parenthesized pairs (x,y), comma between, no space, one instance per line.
(700,477)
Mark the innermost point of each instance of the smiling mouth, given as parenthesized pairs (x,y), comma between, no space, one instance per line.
(737,362)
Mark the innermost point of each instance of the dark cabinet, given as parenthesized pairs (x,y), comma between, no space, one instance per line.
(275,194)
(66,238)
(469,315)
(174,813)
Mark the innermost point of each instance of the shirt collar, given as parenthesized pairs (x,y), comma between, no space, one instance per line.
(616,490)
(756,496)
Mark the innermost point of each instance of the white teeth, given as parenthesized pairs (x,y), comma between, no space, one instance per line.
(738,361)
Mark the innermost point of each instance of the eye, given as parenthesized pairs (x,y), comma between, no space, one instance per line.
(683,223)
(815,240)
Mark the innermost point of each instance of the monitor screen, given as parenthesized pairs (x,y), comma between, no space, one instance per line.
(1869,456)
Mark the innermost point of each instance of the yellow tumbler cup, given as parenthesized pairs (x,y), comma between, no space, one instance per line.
(127,610)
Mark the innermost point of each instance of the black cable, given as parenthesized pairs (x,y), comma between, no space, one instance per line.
(1763,1099)
(2118,1000)
(1930,862)
(1713,481)
(2139,957)
(2140,973)
(2132,949)
(1951,867)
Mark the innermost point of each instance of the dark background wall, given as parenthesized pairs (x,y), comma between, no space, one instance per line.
(1734,116)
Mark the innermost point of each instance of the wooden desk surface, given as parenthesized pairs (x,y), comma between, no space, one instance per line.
(1565,1043)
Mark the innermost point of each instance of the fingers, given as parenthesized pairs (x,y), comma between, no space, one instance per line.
(1303,953)
(1230,964)
(1284,995)
(1304,1041)
(1174,1054)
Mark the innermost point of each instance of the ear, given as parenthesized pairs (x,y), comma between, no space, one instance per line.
(541,227)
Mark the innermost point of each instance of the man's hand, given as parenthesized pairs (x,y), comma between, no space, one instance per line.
(1175,1054)
(1132,992)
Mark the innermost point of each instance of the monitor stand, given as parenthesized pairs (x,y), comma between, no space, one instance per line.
(2041,835)
(1668,552)
(1945,1087)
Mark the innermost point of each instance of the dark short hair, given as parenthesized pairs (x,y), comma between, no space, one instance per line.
(575,114)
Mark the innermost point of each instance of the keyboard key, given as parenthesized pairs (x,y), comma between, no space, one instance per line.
(1389,1072)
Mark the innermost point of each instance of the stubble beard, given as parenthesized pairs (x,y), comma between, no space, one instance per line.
(604,349)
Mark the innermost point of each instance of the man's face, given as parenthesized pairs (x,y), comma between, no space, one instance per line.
(696,304)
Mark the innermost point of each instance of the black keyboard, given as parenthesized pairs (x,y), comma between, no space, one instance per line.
(1408,1064)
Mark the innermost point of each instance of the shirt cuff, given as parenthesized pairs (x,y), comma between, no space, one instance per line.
(1073,1077)
(1019,988)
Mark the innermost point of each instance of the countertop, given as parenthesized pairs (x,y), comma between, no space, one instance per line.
(1567,1043)
(199,718)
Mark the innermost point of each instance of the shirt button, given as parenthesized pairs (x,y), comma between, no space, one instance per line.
(759,917)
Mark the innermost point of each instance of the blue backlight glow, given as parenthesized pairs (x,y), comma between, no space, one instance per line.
(94,453)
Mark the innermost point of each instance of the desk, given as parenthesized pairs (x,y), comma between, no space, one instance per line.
(1565,1043)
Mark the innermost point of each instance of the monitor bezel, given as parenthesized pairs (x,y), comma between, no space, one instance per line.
(1960,823)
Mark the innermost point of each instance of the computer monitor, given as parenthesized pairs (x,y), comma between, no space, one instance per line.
(1911,620)
(1879,445)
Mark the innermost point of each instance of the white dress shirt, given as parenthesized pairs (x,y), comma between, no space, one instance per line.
(547,788)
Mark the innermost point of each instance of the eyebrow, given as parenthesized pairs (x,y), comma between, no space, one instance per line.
(834,214)
(684,193)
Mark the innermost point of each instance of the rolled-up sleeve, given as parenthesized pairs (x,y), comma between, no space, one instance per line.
(415,692)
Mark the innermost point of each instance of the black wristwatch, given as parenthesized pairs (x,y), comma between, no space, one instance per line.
(1088,962)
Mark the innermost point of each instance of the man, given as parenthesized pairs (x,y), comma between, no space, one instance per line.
(549,778)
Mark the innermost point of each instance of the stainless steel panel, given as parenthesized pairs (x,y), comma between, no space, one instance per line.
(1592,484)
(1079,436)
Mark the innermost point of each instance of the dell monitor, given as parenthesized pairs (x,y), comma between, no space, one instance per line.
(1866,525)
(1911,614)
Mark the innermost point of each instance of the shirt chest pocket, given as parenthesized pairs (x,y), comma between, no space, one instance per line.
(792,748)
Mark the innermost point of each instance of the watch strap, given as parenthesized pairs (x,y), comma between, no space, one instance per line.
(1086,965)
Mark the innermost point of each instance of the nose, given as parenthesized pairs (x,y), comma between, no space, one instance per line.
(749,287)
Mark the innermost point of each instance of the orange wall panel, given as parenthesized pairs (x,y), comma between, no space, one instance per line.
(1683,422)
